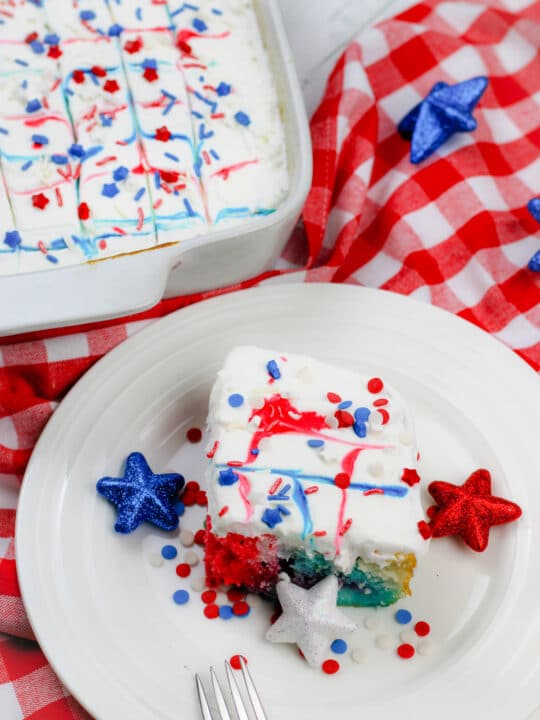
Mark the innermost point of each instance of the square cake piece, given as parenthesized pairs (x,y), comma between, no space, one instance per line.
(313,471)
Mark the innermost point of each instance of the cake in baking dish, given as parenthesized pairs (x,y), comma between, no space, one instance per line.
(127,125)
(313,471)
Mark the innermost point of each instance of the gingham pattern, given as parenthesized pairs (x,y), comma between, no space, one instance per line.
(453,231)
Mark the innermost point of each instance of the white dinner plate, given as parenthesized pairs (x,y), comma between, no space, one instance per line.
(104,615)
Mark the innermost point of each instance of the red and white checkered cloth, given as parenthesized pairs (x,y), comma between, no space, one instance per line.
(453,231)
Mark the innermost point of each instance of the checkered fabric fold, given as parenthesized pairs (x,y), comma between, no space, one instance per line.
(453,231)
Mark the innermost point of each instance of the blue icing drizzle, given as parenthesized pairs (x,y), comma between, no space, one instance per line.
(302,504)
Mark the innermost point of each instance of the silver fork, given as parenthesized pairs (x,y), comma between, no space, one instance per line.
(238,702)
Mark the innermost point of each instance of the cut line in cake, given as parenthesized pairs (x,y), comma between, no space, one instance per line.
(125,126)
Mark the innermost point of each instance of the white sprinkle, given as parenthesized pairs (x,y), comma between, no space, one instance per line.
(359,655)
(191,558)
(426,647)
(155,559)
(383,642)
(187,538)
(408,636)
(405,438)
(198,584)
(372,622)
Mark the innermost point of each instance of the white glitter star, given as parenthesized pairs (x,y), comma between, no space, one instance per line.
(310,618)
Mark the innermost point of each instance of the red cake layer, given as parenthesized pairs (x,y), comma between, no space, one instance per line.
(235,559)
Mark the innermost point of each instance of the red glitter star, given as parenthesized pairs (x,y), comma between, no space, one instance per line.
(40,201)
(163,133)
(470,509)
(111,86)
(133,46)
(54,52)
(84,211)
(410,476)
(150,74)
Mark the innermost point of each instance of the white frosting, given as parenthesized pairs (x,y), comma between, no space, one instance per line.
(213,170)
(381,524)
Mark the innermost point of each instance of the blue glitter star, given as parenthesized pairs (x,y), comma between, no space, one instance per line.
(533,207)
(446,110)
(141,495)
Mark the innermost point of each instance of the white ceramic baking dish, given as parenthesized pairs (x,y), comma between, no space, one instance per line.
(129,284)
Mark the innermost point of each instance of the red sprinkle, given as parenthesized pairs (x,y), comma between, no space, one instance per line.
(40,201)
(375,385)
(311,489)
(78,76)
(235,595)
(102,244)
(163,134)
(98,71)
(150,74)
(385,415)
(380,402)
(240,608)
(194,435)
(212,452)
(201,498)
(183,570)
(342,480)
(208,597)
(111,86)
(373,491)
(405,651)
(235,661)
(31,37)
(333,397)
(169,176)
(424,529)
(319,533)
(133,46)
(211,611)
(193,486)
(54,52)
(224,510)
(275,487)
(346,527)
(330,667)
(422,628)
(189,498)
(59,198)
(344,418)
(200,537)
(84,211)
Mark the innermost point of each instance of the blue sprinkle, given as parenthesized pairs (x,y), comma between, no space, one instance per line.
(157,180)
(214,154)
(180,508)
(283,510)
(27,165)
(345,404)
(236,400)
(60,159)
(21,62)
(92,151)
(197,114)
(110,190)
(403,617)
(254,451)
(120,173)
(225,612)
(227,477)
(360,429)
(217,12)
(273,369)
(169,552)
(315,443)
(181,597)
(76,150)
(139,194)
(51,39)
(51,259)
(242,118)
(37,47)
(40,139)
(24,84)
(172,157)
(138,13)
(188,207)
(223,89)
(106,120)
(87,15)
(339,647)
(362,414)
(168,94)
(12,239)
(271,517)
(199,25)
(115,30)
(150,63)
(33,105)
(4,131)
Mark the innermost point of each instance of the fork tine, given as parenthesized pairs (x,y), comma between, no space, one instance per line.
(235,692)
(207,715)
(252,691)
(222,705)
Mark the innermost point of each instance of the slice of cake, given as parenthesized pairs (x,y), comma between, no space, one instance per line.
(313,471)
